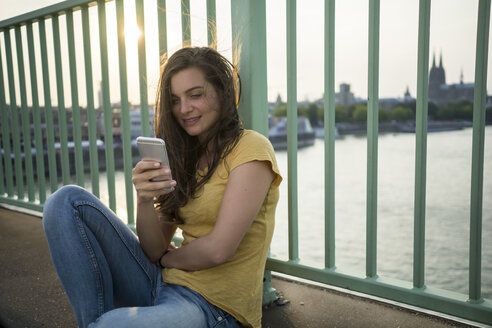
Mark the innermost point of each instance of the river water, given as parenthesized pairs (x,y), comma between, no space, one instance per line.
(447,207)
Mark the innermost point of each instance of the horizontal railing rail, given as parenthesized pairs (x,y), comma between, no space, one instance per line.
(48,141)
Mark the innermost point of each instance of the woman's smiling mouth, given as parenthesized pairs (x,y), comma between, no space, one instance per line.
(191,121)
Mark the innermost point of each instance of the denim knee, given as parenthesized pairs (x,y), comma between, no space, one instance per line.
(59,199)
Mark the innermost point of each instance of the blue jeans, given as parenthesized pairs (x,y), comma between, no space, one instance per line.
(107,277)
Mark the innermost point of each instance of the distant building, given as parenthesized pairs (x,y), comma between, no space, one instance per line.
(345,97)
(389,103)
(407,97)
(279,100)
(440,92)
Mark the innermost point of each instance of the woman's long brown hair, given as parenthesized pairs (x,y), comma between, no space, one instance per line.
(185,151)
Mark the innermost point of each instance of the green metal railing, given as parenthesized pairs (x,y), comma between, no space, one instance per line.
(30,132)
(471,306)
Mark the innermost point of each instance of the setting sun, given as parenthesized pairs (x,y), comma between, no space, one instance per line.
(132,33)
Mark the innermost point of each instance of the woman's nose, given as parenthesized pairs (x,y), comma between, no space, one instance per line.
(185,107)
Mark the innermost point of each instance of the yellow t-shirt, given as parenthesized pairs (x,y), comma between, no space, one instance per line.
(236,285)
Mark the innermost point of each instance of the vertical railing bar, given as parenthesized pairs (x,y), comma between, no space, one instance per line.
(421,144)
(50,136)
(108,129)
(91,114)
(292,129)
(211,24)
(162,26)
(125,112)
(38,134)
(9,177)
(142,69)
(479,104)
(248,27)
(329,123)
(248,23)
(2,156)
(185,23)
(76,128)
(3,121)
(26,128)
(258,76)
(62,114)
(237,31)
(372,140)
(19,178)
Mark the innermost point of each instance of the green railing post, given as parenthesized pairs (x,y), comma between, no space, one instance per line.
(4,133)
(142,69)
(421,144)
(211,24)
(62,113)
(106,105)
(50,135)
(14,112)
(249,44)
(185,23)
(91,113)
(38,135)
(2,174)
(9,177)
(76,126)
(26,128)
(372,140)
(125,113)
(329,123)
(162,26)
(479,100)
(291,25)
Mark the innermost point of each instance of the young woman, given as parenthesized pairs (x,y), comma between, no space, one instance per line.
(223,198)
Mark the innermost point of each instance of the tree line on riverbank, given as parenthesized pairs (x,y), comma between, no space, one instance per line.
(403,111)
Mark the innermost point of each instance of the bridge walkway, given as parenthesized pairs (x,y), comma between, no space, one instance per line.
(32,296)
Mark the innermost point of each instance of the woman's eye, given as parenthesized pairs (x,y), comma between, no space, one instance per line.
(196,95)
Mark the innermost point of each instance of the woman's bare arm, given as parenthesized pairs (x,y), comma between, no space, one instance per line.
(245,193)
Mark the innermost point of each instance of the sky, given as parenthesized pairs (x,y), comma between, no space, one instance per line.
(453,35)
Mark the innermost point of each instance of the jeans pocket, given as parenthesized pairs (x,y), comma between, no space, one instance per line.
(222,318)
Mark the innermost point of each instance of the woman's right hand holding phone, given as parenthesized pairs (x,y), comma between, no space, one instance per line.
(154,235)
(143,174)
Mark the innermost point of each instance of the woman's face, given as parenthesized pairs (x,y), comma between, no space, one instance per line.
(195,102)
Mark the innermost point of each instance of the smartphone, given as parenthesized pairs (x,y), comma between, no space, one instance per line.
(154,149)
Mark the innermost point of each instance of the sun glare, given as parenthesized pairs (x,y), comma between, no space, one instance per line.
(132,33)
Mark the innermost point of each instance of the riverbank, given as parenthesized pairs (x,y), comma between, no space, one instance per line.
(357,128)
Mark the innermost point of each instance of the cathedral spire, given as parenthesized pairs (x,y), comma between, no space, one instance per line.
(407,94)
(434,60)
(440,60)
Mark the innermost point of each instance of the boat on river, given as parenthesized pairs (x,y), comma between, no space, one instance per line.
(278,134)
